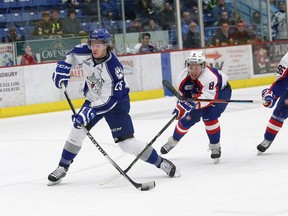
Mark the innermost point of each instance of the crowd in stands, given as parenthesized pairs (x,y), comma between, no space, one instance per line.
(79,17)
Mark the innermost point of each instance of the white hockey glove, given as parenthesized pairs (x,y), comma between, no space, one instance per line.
(61,74)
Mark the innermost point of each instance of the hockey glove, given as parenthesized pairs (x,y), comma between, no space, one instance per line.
(61,74)
(84,116)
(268,97)
(182,108)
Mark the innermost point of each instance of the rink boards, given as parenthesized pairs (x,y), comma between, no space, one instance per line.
(29,89)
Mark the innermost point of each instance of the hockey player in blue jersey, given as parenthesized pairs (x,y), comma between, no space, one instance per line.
(107,96)
(200,82)
(277,91)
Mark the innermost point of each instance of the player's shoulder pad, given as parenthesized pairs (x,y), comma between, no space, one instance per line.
(213,69)
(209,74)
(113,59)
(115,67)
(80,49)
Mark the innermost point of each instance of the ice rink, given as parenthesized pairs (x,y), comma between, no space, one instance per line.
(242,184)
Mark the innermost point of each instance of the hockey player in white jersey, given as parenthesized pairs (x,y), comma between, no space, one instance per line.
(277,91)
(107,96)
(199,81)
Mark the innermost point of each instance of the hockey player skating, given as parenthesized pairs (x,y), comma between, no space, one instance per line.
(107,96)
(278,90)
(199,81)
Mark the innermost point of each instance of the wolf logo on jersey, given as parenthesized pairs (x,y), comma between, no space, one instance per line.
(119,72)
(95,83)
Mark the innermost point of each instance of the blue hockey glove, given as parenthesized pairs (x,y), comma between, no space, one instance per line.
(268,97)
(61,74)
(182,108)
(84,116)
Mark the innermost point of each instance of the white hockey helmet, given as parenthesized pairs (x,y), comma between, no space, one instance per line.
(196,57)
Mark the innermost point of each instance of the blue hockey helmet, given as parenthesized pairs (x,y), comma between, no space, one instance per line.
(100,35)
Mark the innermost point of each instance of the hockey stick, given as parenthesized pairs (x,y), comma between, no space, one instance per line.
(140,186)
(169,86)
(111,178)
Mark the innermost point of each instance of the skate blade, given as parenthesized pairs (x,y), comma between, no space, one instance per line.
(259,153)
(177,173)
(163,151)
(50,183)
(216,160)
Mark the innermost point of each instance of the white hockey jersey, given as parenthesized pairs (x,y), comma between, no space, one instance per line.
(281,83)
(207,86)
(105,85)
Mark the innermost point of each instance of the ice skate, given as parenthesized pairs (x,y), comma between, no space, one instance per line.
(169,145)
(262,147)
(56,176)
(169,168)
(215,152)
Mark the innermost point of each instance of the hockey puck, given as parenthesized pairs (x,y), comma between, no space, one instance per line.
(148,186)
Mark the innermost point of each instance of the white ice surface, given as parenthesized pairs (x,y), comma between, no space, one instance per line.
(242,184)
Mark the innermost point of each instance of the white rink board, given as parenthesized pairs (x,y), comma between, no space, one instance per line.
(12,88)
(236,61)
(142,72)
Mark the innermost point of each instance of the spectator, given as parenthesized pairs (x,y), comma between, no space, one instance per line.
(136,26)
(185,21)
(138,45)
(158,4)
(44,27)
(167,17)
(109,10)
(192,7)
(279,23)
(223,19)
(56,22)
(273,2)
(144,7)
(256,25)
(192,38)
(12,35)
(146,11)
(223,36)
(6,60)
(89,8)
(29,57)
(152,26)
(220,7)
(241,35)
(71,24)
(71,3)
(208,17)
(146,47)
(212,4)
(236,18)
